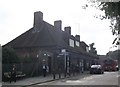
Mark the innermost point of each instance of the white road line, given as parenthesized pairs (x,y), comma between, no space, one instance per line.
(88,78)
(76,81)
(118,76)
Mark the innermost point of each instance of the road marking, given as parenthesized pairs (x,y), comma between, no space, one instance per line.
(88,78)
(118,76)
(76,81)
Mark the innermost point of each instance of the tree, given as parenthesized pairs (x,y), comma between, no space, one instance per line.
(114,55)
(112,12)
(9,55)
(93,49)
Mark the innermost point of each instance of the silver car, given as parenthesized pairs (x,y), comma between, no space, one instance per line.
(96,69)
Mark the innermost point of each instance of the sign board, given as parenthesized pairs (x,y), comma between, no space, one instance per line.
(63,50)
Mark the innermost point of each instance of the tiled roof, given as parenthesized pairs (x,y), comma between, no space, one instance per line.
(48,36)
(83,43)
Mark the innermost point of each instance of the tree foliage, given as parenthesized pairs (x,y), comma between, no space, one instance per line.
(9,55)
(114,55)
(28,60)
(92,49)
(112,12)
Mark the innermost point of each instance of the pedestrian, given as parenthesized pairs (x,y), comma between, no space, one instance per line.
(77,68)
(44,70)
(82,69)
(47,70)
(13,74)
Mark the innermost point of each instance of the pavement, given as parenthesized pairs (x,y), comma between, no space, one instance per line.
(36,80)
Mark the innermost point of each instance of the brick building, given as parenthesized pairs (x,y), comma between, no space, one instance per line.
(49,44)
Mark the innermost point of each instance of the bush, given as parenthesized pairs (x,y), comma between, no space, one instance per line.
(9,56)
(28,60)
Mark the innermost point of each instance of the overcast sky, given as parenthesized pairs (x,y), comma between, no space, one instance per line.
(16,17)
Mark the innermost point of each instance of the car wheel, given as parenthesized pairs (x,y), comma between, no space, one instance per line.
(91,72)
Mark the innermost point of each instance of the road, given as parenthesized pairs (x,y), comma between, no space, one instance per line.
(108,78)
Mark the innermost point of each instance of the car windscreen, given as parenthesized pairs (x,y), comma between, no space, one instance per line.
(95,66)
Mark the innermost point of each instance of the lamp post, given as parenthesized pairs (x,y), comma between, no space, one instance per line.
(66,62)
(53,69)
(37,64)
(63,52)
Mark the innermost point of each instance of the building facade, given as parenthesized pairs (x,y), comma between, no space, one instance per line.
(49,44)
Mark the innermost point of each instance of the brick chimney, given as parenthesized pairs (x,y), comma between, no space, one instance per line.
(77,37)
(38,20)
(58,24)
(58,28)
(68,30)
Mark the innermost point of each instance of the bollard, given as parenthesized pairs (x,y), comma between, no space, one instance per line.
(53,76)
(59,75)
(69,74)
(65,75)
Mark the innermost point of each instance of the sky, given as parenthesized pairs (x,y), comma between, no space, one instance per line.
(16,17)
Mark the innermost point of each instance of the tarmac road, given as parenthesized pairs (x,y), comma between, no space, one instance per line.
(108,78)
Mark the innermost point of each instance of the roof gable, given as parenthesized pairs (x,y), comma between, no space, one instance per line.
(31,38)
(47,36)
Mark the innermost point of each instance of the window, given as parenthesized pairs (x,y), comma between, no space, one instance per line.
(87,49)
(71,42)
(77,43)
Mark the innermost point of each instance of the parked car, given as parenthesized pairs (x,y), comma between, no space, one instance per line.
(96,69)
(117,68)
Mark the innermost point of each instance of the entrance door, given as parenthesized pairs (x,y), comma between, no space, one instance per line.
(67,64)
(49,63)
